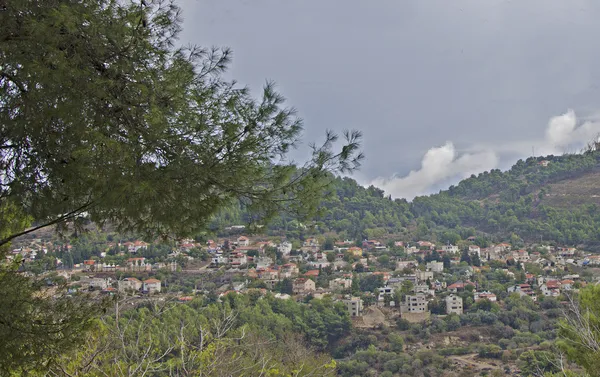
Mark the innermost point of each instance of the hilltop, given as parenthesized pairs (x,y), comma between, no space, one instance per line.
(553,198)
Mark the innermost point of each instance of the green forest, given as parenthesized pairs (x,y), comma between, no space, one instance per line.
(494,205)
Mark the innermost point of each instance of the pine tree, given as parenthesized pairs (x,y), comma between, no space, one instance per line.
(102,117)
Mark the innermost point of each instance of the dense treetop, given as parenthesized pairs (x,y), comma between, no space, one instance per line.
(103,115)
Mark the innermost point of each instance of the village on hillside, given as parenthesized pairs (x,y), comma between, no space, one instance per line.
(408,280)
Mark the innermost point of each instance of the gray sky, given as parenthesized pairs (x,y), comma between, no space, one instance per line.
(440,88)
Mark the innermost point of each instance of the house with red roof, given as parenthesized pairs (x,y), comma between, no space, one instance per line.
(246,249)
(426,245)
(267,274)
(477,296)
(521,256)
(386,275)
(372,244)
(312,273)
(523,290)
(109,291)
(130,284)
(243,241)
(356,251)
(134,247)
(343,243)
(310,245)
(251,273)
(503,247)
(237,259)
(151,286)
(567,284)
(460,286)
(288,270)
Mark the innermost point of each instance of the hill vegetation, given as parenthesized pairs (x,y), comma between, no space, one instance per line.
(547,199)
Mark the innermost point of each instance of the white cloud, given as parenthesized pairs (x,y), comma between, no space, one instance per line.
(560,129)
(444,163)
(438,165)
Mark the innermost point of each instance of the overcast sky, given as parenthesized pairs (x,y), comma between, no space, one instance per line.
(440,89)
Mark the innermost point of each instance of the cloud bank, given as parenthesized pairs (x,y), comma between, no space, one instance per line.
(439,164)
(442,165)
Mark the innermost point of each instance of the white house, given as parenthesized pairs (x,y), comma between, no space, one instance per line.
(411,250)
(288,270)
(303,286)
(99,283)
(354,306)
(237,259)
(385,291)
(219,260)
(521,256)
(435,266)
(452,249)
(340,283)
(502,247)
(424,288)
(415,303)
(130,284)
(151,286)
(402,264)
(424,275)
(567,251)
(551,288)
(474,249)
(263,261)
(454,304)
(134,247)
(243,241)
(285,248)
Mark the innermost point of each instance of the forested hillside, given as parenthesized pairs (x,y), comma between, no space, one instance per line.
(549,198)
(523,201)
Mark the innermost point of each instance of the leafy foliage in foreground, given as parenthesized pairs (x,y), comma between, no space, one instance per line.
(579,331)
(244,335)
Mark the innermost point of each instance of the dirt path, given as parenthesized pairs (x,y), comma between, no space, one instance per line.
(469,360)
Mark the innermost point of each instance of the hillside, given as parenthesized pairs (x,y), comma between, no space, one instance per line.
(552,198)
(577,191)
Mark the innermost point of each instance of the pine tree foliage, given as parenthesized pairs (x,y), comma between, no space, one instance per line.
(103,116)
